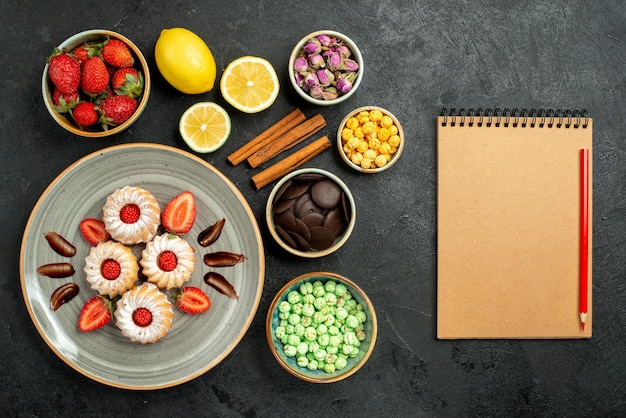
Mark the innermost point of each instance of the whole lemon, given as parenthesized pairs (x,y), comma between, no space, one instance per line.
(185,61)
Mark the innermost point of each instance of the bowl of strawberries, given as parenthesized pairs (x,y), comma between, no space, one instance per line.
(96,83)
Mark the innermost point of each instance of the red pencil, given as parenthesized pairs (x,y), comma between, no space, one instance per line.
(584,234)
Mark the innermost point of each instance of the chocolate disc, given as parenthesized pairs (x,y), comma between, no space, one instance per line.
(312,219)
(307,207)
(285,220)
(309,177)
(283,204)
(285,237)
(334,221)
(321,238)
(300,201)
(301,243)
(295,190)
(326,194)
(302,229)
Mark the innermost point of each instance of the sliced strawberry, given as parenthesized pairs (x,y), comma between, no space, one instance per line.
(180,213)
(96,313)
(192,300)
(93,231)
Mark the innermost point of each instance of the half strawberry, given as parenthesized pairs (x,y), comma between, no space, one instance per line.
(94,231)
(192,300)
(179,214)
(96,313)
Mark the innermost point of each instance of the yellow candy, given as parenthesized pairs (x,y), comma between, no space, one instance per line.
(386,121)
(346,134)
(368,127)
(356,158)
(352,123)
(394,141)
(353,142)
(366,163)
(383,134)
(393,130)
(380,161)
(363,117)
(376,115)
(362,146)
(370,154)
(384,148)
(374,143)
(358,132)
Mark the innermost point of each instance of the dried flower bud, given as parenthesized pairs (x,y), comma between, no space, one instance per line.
(344,51)
(300,80)
(330,93)
(325,40)
(301,64)
(316,92)
(350,76)
(325,77)
(335,61)
(317,61)
(313,46)
(344,85)
(311,80)
(350,65)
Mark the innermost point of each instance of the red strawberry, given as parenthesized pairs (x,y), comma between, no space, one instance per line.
(142,317)
(127,82)
(129,214)
(85,51)
(85,114)
(192,300)
(117,110)
(95,77)
(110,269)
(179,214)
(81,53)
(167,261)
(64,72)
(117,54)
(63,102)
(93,230)
(96,313)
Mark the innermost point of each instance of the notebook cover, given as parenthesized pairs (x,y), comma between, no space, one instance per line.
(509,231)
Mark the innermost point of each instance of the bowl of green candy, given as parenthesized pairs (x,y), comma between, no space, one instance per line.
(321,327)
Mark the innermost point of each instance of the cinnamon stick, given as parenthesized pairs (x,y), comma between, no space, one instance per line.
(291,120)
(290,163)
(288,140)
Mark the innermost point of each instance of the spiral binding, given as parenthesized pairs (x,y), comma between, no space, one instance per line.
(516,118)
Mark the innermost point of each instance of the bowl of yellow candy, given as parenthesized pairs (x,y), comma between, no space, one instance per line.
(321,327)
(370,139)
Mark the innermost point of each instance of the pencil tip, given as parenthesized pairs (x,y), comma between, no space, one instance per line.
(582,325)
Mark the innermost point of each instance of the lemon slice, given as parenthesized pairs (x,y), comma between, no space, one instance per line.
(205,127)
(250,84)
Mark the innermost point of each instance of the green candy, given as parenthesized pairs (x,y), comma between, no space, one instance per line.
(293,297)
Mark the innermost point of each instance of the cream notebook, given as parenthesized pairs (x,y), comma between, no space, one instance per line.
(509,224)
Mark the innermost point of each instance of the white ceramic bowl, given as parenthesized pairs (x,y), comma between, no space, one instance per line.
(356,56)
(347,202)
(394,157)
(64,119)
(353,362)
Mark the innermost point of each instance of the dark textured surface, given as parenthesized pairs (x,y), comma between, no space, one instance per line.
(420,56)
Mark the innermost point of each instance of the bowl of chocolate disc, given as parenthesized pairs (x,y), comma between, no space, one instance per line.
(310,213)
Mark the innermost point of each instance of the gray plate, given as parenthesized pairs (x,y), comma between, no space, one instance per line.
(196,343)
